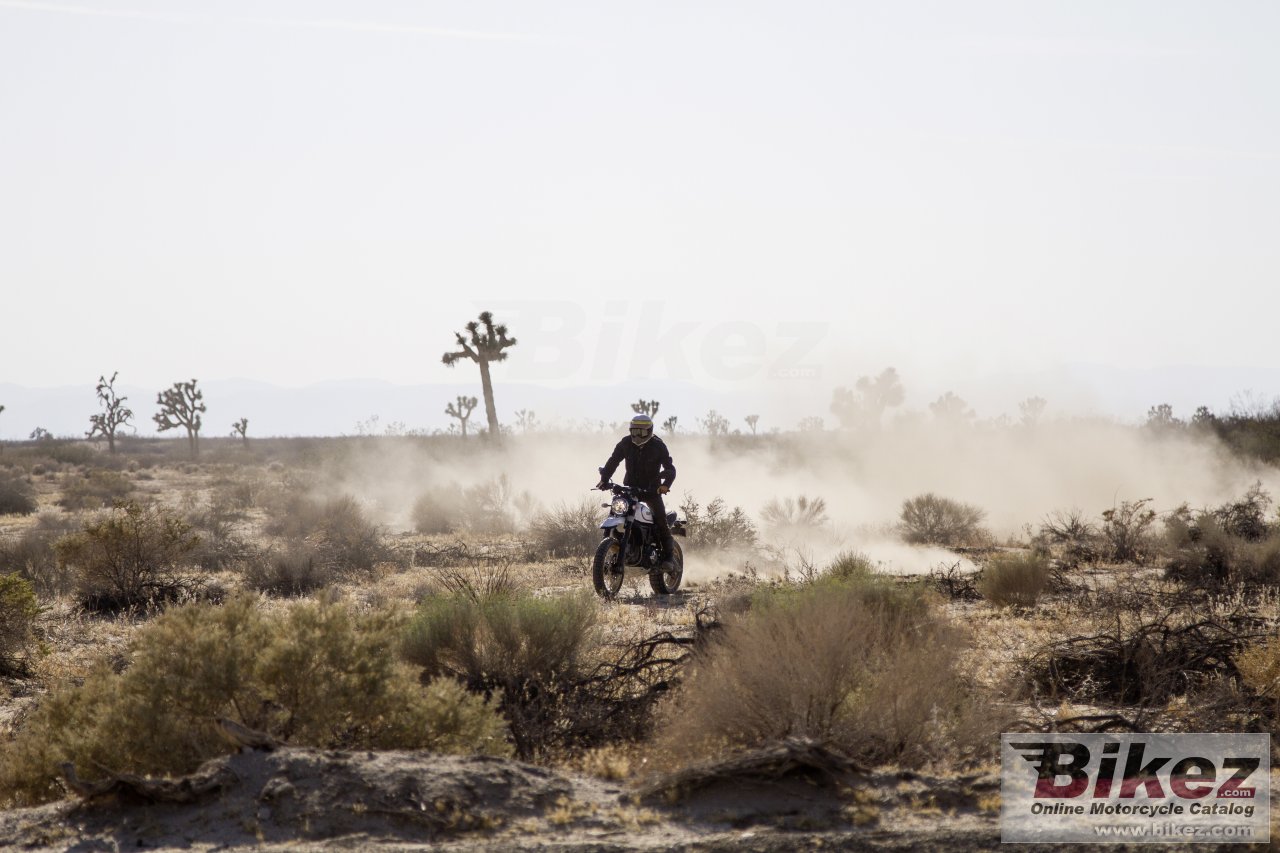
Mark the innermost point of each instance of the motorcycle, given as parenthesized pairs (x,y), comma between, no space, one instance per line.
(631,540)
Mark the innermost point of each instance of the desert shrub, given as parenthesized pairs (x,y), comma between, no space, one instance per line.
(1074,539)
(100,488)
(318,675)
(18,612)
(218,522)
(1246,518)
(32,555)
(16,495)
(1014,579)
(135,554)
(932,520)
(851,566)
(434,513)
(1125,532)
(1259,668)
(568,530)
(859,664)
(291,572)
(528,650)
(491,507)
(794,515)
(717,526)
(337,529)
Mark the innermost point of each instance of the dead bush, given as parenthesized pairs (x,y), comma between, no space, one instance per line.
(435,514)
(336,529)
(219,523)
(862,665)
(18,612)
(929,519)
(17,497)
(318,675)
(32,555)
(1072,538)
(528,651)
(491,507)
(1221,547)
(292,572)
(1014,580)
(794,516)
(1125,532)
(136,554)
(716,526)
(568,530)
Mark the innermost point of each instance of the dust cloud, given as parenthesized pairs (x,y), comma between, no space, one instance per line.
(1017,474)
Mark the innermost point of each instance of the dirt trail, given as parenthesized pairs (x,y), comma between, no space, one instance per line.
(303,799)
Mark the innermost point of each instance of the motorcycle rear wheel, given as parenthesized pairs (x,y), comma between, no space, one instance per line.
(665,583)
(607,570)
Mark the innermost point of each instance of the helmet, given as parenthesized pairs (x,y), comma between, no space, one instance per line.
(641,429)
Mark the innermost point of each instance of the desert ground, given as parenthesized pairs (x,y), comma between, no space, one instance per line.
(394,641)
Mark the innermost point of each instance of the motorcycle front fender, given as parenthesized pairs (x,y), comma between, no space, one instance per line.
(612,522)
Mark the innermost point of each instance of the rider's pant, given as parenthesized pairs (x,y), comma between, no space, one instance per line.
(659,509)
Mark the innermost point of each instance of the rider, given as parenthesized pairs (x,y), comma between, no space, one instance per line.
(650,472)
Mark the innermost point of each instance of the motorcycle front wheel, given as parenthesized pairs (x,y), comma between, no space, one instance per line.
(665,583)
(607,570)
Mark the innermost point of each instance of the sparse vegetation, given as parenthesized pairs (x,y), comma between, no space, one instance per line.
(318,675)
(568,530)
(716,526)
(336,530)
(181,406)
(16,495)
(114,415)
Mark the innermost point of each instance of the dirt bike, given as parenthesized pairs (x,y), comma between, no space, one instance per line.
(631,540)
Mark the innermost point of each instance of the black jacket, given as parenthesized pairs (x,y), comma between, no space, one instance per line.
(649,465)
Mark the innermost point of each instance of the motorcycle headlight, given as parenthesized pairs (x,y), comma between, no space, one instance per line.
(620,506)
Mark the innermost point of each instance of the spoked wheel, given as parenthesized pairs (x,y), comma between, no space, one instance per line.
(665,583)
(607,569)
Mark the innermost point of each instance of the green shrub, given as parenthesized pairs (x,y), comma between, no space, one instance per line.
(318,675)
(133,555)
(529,650)
(1014,579)
(18,612)
(16,495)
(851,566)
(568,530)
(101,488)
(932,520)
(860,664)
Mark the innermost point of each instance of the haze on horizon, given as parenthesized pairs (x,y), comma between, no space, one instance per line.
(295,192)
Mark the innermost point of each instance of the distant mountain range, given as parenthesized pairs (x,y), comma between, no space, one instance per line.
(348,407)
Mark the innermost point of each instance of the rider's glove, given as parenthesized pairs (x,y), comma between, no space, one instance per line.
(602,485)
(662,490)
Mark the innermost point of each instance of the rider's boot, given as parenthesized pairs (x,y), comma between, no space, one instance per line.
(668,549)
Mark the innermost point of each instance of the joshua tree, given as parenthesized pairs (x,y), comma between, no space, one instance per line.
(180,406)
(646,407)
(715,423)
(951,408)
(1031,410)
(752,420)
(866,403)
(526,420)
(482,347)
(669,425)
(40,434)
(115,413)
(241,429)
(461,410)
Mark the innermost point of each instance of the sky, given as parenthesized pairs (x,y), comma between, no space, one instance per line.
(733,195)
